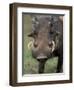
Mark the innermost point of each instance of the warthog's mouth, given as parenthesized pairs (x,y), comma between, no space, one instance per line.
(42,59)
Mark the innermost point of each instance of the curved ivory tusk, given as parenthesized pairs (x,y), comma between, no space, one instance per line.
(53,48)
(30,44)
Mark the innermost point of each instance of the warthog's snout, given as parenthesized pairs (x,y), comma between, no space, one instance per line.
(41,51)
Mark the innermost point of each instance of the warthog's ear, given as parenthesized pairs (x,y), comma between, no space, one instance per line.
(58,33)
(31,34)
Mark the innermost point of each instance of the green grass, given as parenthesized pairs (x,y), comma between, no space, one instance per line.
(30,65)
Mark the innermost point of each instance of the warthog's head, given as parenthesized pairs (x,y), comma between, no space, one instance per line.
(46,32)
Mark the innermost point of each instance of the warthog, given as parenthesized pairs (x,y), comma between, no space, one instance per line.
(47,32)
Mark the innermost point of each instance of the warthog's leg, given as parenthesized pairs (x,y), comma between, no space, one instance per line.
(41,66)
(59,65)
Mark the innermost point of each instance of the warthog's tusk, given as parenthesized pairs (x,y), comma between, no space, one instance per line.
(30,44)
(53,48)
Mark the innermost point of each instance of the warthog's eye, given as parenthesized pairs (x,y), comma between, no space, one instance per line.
(50,24)
(51,32)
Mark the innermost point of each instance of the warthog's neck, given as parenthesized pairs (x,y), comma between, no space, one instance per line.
(41,65)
